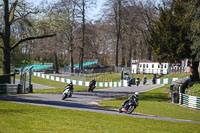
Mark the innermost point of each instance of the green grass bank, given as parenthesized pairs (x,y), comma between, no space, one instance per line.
(58,86)
(157,103)
(23,118)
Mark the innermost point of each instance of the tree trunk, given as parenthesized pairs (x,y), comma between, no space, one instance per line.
(83,37)
(117,53)
(118,29)
(56,62)
(72,61)
(130,56)
(6,39)
(195,73)
(6,61)
(123,55)
(149,53)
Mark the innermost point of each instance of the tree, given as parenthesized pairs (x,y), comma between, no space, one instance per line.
(171,34)
(11,16)
(117,11)
(130,25)
(192,17)
(83,6)
(164,36)
(67,21)
(147,15)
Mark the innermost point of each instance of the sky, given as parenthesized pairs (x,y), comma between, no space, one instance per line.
(92,13)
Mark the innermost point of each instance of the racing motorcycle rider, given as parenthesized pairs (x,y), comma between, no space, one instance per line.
(92,85)
(135,96)
(71,88)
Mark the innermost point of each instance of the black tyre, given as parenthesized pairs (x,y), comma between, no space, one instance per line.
(92,88)
(89,89)
(64,96)
(120,110)
(130,109)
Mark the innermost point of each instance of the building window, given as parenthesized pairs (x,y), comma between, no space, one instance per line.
(147,65)
(158,66)
(143,65)
(165,65)
(152,65)
(140,65)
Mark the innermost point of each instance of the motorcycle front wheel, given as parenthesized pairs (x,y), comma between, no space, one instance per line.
(130,109)
(64,96)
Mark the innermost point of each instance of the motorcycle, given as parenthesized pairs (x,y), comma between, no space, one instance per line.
(144,81)
(91,87)
(129,105)
(131,82)
(154,79)
(137,81)
(66,93)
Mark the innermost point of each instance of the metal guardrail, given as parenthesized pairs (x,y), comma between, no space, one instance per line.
(189,101)
(9,89)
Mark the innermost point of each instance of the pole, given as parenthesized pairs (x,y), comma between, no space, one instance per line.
(122,74)
(30,86)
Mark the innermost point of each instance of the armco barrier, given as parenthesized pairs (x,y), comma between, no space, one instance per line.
(9,89)
(81,83)
(189,101)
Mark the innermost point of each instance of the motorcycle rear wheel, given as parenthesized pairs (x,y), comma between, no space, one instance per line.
(120,110)
(64,96)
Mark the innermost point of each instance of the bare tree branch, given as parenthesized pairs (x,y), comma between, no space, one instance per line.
(24,16)
(30,38)
(12,11)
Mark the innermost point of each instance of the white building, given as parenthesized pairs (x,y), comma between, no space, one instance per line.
(150,67)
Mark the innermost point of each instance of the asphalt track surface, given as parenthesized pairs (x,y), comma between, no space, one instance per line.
(87,101)
(35,86)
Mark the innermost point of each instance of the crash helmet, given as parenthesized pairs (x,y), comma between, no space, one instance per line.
(136,93)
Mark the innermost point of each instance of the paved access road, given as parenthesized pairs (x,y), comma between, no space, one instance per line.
(87,101)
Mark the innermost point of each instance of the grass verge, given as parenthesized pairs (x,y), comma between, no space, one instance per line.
(23,118)
(102,77)
(176,75)
(58,86)
(156,102)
